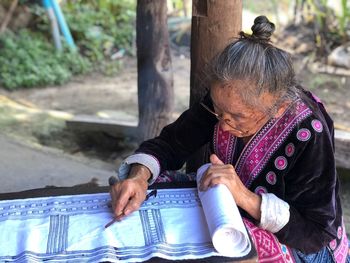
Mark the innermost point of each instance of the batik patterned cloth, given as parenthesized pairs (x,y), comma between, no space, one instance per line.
(72,229)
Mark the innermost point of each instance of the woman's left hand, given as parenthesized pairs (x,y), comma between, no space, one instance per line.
(220,173)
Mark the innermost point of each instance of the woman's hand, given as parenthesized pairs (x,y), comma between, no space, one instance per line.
(220,173)
(128,195)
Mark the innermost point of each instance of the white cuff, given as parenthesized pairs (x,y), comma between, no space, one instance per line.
(274,213)
(145,159)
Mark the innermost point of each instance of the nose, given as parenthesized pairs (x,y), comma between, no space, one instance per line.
(229,128)
(224,120)
(224,126)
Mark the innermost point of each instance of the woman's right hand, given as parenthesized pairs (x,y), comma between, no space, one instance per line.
(128,195)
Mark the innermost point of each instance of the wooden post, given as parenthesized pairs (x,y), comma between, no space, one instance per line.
(215,23)
(155,77)
(8,16)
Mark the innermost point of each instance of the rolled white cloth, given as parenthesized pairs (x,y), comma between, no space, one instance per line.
(227,230)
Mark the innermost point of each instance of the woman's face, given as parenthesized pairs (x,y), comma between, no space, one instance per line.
(234,115)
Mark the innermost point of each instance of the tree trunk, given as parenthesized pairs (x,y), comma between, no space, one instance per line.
(215,23)
(155,77)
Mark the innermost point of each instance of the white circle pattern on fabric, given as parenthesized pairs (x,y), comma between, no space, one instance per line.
(333,244)
(339,232)
(290,149)
(317,125)
(281,163)
(271,177)
(260,190)
(303,135)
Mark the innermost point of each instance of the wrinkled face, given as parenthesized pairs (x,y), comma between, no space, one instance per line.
(234,115)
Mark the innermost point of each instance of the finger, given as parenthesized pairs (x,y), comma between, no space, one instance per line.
(214,159)
(209,176)
(121,200)
(220,169)
(111,204)
(219,180)
(113,191)
(226,170)
(134,204)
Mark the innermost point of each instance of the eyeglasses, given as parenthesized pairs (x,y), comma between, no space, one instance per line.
(269,113)
(227,121)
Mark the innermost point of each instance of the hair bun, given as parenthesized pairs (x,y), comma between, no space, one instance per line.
(262,28)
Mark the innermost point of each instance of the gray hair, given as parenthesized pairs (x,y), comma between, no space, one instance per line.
(254,60)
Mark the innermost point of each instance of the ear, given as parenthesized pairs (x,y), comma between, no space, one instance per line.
(281,110)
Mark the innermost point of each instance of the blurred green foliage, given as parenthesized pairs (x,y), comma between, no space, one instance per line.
(101,27)
(27,59)
(344,17)
(331,25)
(102,30)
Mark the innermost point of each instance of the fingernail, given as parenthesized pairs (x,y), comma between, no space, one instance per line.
(118,214)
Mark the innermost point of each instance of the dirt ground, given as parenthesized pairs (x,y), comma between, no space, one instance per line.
(94,93)
(37,116)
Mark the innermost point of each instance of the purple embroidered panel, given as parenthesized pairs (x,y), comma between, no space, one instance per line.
(340,248)
(265,143)
(224,145)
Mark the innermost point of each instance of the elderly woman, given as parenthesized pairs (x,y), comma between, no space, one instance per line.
(272,146)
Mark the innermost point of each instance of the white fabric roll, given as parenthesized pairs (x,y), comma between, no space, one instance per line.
(227,230)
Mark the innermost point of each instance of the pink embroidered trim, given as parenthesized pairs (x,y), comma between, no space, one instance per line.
(260,190)
(163,178)
(281,163)
(341,252)
(303,135)
(224,145)
(290,149)
(339,232)
(317,99)
(317,125)
(268,247)
(266,142)
(271,178)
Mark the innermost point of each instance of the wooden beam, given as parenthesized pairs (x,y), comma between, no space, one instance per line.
(118,129)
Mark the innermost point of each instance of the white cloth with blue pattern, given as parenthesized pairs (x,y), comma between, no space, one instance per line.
(71,229)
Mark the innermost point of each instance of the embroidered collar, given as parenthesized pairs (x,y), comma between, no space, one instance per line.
(262,145)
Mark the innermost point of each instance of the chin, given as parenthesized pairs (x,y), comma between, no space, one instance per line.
(236,134)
